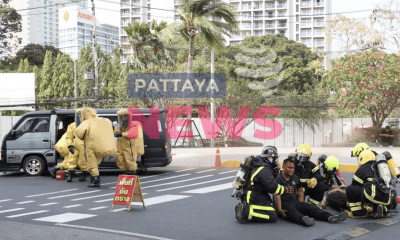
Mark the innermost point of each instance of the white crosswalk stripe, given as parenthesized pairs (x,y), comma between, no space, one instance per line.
(12,210)
(162,179)
(48,204)
(194,184)
(228,172)
(160,199)
(70,195)
(109,183)
(79,199)
(209,170)
(26,214)
(97,208)
(210,189)
(185,180)
(6,200)
(44,194)
(72,206)
(25,202)
(65,217)
(184,170)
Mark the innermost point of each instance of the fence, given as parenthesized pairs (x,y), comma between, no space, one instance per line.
(292,134)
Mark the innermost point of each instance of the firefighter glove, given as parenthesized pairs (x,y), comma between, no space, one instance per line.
(312,183)
(71,149)
(118,134)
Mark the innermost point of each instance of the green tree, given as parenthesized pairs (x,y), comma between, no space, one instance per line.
(63,77)
(194,20)
(23,66)
(46,85)
(10,24)
(20,66)
(367,82)
(38,78)
(35,53)
(85,61)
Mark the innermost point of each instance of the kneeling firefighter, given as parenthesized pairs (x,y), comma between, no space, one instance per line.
(370,184)
(253,184)
(394,170)
(303,165)
(98,137)
(326,184)
(128,147)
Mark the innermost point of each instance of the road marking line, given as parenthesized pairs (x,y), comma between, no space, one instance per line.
(160,179)
(119,210)
(69,190)
(6,200)
(207,170)
(65,217)
(25,202)
(154,175)
(228,172)
(74,194)
(210,189)
(78,199)
(160,199)
(114,231)
(96,208)
(109,199)
(47,204)
(184,170)
(190,179)
(25,214)
(109,183)
(194,184)
(72,206)
(12,210)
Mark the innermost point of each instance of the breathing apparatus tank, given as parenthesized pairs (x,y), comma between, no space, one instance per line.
(394,170)
(383,170)
(245,169)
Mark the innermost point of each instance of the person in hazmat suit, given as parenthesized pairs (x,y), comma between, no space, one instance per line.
(62,149)
(325,179)
(292,205)
(77,155)
(130,143)
(365,188)
(303,165)
(256,203)
(98,137)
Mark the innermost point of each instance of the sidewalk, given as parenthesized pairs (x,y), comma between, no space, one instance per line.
(205,157)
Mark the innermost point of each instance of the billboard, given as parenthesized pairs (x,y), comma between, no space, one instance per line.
(17,89)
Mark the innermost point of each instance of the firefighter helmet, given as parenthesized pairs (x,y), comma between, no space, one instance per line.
(303,152)
(366,156)
(359,148)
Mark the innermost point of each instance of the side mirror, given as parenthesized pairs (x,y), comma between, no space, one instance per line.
(12,132)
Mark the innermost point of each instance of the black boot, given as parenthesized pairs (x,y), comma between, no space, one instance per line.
(53,171)
(95,182)
(83,178)
(70,175)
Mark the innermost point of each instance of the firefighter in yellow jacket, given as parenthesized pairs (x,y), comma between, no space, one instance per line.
(128,148)
(77,157)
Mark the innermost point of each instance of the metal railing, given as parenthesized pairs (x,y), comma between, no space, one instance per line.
(306,4)
(271,16)
(318,24)
(319,4)
(305,24)
(270,5)
(257,17)
(258,26)
(246,17)
(282,25)
(305,34)
(270,26)
(124,14)
(282,5)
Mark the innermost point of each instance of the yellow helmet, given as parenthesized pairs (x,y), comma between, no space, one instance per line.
(359,148)
(331,163)
(303,152)
(366,156)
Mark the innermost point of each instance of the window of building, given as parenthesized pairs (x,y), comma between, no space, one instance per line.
(297,8)
(246,6)
(297,37)
(270,32)
(297,18)
(81,24)
(297,27)
(270,24)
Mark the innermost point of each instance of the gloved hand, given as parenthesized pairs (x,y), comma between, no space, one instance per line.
(312,183)
(115,124)
(118,134)
(71,149)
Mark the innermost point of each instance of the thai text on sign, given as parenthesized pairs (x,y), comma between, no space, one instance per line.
(128,190)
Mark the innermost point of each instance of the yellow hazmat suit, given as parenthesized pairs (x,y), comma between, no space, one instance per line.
(128,149)
(78,158)
(98,136)
(62,148)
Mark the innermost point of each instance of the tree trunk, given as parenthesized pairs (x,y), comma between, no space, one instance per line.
(191,54)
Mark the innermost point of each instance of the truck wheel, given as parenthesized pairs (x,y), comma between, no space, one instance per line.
(34,166)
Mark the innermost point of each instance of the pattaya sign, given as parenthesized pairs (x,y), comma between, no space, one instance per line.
(128,190)
(85,16)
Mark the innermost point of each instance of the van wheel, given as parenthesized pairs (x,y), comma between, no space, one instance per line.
(34,166)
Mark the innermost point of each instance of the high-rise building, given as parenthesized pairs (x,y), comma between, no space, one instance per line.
(298,20)
(76,31)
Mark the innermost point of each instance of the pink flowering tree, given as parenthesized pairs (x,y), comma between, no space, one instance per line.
(367,82)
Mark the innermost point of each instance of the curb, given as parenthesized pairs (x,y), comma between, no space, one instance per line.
(343,168)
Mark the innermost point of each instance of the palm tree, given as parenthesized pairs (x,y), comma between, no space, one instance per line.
(138,35)
(155,38)
(194,20)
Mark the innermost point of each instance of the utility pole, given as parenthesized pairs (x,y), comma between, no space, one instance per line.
(75,83)
(96,69)
(212,96)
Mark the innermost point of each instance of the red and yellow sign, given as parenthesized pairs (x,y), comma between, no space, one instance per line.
(85,16)
(128,190)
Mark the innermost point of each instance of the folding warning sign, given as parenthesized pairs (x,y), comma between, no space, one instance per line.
(128,190)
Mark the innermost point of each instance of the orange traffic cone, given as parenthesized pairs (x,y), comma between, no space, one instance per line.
(217,163)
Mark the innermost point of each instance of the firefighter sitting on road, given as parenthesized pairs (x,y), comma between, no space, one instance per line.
(256,202)
(303,165)
(365,188)
(324,179)
(291,205)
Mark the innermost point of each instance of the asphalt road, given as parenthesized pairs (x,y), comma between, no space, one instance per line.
(181,203)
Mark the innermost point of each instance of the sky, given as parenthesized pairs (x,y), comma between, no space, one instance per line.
(339,6)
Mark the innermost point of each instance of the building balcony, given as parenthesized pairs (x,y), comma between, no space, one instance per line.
(319,4)
(308,44)
(135,13)
(125,14)
(282,15)
(305,34)
(135,3)
(270,16)
(257,7)
(282,5)
(306,4)
(270,26)
(125,4)
(246,8)
(282,25)
(179,2)
(257,17)
(258,33)
(258,26)
(318,24)
(245,18)
(268,6)
(305,24)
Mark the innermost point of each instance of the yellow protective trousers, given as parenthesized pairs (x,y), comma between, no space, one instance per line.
(77,159)
(64,164)
(126,153)
(93,162)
